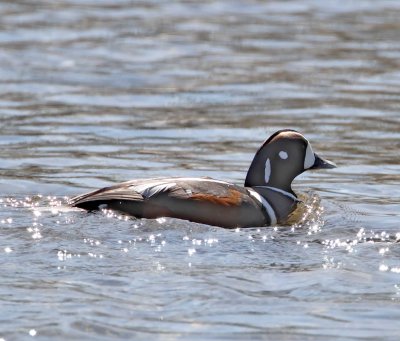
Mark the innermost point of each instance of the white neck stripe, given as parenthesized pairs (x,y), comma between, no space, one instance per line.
(265,204)
(287,194)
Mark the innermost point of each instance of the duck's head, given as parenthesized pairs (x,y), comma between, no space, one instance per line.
(285,155)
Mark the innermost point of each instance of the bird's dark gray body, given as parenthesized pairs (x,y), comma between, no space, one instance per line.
(266,199)
(202,200)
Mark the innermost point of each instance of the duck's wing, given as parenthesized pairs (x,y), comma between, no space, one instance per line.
(134,191)
(197,199)
(92,200)
(151,189)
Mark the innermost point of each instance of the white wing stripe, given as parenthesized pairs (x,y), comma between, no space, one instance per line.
(156,186)
(151,189)
(201,179)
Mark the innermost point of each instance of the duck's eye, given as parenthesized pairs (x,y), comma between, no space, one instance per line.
(283,155)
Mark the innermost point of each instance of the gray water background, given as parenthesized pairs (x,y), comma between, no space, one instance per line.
(97,92)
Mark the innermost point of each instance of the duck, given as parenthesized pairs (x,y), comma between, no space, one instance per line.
(266,199)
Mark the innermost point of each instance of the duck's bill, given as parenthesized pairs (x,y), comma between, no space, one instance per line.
(320,163)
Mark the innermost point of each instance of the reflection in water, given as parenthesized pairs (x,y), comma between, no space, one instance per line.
(94,93)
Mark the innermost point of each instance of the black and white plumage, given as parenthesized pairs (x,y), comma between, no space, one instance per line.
(266,199)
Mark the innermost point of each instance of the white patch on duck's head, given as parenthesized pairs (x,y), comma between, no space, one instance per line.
(309,158)
(283,155)
(267,171)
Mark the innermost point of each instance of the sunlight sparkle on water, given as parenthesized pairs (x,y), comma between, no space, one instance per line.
(348,245)
(330,263)
(63,255)
(92,242)
(210,241)
(361,233)
(94,255)
(35,231)
(383,267)
(383,250)
(152,239)
(196,241)
(159,267)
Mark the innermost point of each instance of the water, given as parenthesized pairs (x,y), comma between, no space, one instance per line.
(97,92)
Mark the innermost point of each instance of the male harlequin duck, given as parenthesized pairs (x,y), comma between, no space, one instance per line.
(266,199)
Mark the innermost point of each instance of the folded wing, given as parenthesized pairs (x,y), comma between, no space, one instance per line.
(201,200)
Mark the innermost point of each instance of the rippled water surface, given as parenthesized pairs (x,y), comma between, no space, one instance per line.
(97,92)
